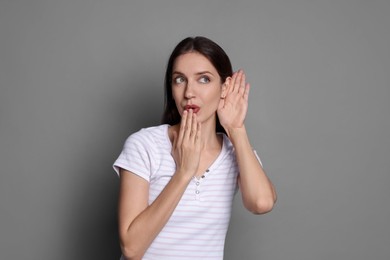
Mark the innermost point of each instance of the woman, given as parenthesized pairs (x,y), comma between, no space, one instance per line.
(177,180)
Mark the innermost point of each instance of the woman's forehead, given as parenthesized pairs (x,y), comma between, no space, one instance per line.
(192,63)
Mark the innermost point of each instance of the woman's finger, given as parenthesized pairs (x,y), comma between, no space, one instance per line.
(194,126)
(246,92)
(232,83)
(183,124)
(241,89)
(187,127)
(198,134)
(237,82)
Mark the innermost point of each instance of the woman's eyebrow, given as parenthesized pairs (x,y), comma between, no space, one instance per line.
(197,73)
(177,72)
(203,72)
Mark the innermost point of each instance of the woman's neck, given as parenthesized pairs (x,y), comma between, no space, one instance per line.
(210,139)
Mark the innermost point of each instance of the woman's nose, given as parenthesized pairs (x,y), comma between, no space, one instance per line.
(189,90)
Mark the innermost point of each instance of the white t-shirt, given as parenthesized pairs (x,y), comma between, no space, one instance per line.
(197,228)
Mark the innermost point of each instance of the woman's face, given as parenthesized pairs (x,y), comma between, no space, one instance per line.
(196,85)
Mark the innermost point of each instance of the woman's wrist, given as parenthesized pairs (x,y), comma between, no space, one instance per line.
(236,132)
(183,176)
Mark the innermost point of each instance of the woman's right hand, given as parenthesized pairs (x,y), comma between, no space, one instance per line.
(135,212)
(186,146)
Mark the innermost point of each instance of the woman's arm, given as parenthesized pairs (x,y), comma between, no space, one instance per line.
(140,223)
(258,193)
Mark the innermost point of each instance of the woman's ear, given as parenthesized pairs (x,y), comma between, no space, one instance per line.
(225,87)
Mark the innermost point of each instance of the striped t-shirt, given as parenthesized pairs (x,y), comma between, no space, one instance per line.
(197,228)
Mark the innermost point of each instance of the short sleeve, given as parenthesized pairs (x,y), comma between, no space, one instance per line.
(135,157)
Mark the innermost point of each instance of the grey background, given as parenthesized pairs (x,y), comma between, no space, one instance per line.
(77,77)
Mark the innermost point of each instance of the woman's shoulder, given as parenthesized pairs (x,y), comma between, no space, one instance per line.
(150,135)
(153,130)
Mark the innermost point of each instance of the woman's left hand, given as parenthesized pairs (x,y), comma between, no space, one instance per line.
(234,105)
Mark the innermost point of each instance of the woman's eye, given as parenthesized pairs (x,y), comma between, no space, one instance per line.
(204,79)
(178,80)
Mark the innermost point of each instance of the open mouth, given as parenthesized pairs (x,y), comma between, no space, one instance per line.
(194,108)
